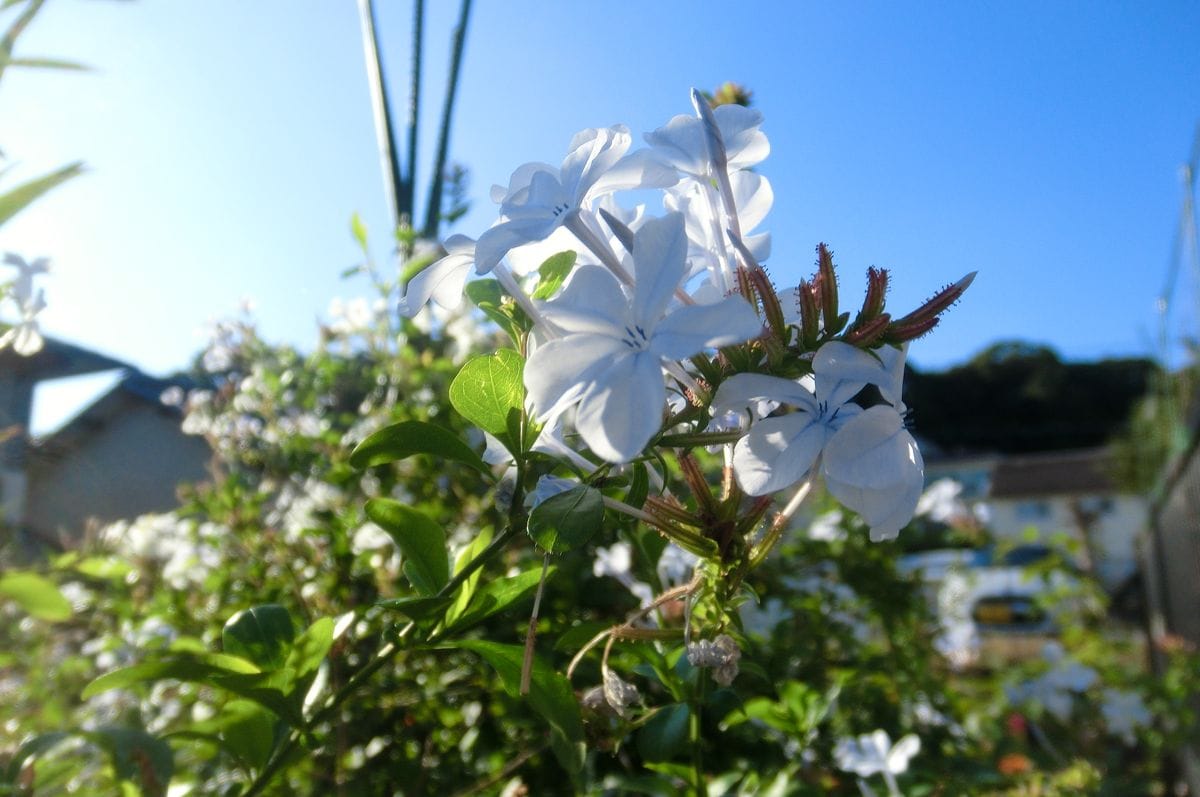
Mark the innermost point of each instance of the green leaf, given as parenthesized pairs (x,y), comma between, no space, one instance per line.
(550,694)
(552,273)
(261,634)
(489,389)
(359,230)
(34,747)
(196,668)
(311,647)
(137,756)
(35,594)
(665,735)
(416,608)
(247,731)
(567,520)
(17,199)
(496,596)
(48,63)
(421,541)
(464,557)
(488,296)
(107,568)
(404,439)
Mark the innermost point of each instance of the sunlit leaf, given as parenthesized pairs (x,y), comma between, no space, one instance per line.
(37,595)
(421,541)
(261,634)
(17,199)
(403,440)
(498,595)
(488,389)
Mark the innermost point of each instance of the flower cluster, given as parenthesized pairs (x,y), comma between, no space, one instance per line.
(24,337)
(620,334)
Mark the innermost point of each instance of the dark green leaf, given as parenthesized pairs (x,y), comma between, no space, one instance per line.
(35,594)
(416,608)
(665,735)
(180,666)
(488,389)
(248,731)
(496,596)
(276,690)
(402,440)
(552,273)
(15,200)
(34,747)
(567,520)
(137,757)
(549,693)
(421,541)
(639,486)
(261,634)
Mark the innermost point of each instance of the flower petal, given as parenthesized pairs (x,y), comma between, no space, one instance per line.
(622,409)
(443,280)
(660,261)
(778,452)
(741,391)
(591,301)
(692,328)
(559,370)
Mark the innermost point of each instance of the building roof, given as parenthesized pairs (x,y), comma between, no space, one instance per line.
(1076,472)
(135,387)
(56,360)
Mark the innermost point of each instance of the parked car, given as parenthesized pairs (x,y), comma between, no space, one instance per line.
(992,601)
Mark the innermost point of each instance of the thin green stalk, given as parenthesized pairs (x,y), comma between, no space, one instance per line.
(695,741)
(433,210)
(385,138)
(414,104)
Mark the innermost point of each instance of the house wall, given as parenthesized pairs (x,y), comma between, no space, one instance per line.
(1119,520)
(128,464)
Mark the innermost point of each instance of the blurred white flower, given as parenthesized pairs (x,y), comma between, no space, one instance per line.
(1055,689)
(874,753)
(1124,712)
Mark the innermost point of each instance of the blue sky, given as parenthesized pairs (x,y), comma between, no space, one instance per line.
(228,143)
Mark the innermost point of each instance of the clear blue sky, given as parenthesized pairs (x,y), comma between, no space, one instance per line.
(228,143)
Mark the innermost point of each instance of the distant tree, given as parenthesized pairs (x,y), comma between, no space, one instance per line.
(1017,396)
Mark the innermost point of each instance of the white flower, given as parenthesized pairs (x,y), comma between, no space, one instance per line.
(25,337)
(1124,712)
(684,143)
(617,561)
(540,198)
(941,502)
(874,753)
(1055,689)
(443,280)
(23,284)
(609,358)
(868,459)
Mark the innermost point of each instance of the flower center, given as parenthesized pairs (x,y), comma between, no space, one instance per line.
(635,338)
